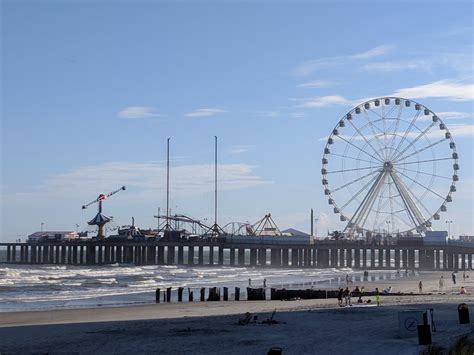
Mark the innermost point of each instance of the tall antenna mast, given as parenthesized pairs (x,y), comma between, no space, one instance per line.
(215,185)
(168,185)
(215,229)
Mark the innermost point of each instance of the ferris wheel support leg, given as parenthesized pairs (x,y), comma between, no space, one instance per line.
(363,209)
(414,212)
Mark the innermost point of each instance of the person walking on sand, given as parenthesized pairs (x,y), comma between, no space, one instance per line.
(264,283)
(339,297)
(347,296)
(464,276)
(420,287)
(453,276)
(377,296)
(347,279)
(441,283)
(250,282)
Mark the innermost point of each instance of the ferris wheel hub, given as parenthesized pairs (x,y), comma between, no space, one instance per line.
(388,166)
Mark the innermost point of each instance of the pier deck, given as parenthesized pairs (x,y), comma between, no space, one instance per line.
(326,254)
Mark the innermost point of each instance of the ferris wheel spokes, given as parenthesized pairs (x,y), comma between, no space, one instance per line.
(353,181)
(363,151)
(423,133)
(407,131)
(420,150)
(366,141)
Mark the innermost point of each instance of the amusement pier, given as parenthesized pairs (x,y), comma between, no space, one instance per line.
(389,171)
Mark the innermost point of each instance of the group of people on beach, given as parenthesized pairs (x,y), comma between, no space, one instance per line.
(453,279)
(344,295)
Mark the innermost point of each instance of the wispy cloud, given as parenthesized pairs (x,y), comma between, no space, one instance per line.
(144,180)
(311,66)
(205,112)
(316,84)
(462,130)
(138,112)
(323,101)
(457,130)
(374,52)
(239,149)
(448,89)
(392,66)
(454,115)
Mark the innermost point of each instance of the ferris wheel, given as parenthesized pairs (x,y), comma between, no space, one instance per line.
(389,166)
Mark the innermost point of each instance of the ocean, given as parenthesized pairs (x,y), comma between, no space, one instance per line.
(43,287)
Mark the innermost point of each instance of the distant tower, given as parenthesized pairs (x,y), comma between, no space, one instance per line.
(312,221)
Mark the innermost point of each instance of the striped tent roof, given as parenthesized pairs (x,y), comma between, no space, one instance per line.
(99,219)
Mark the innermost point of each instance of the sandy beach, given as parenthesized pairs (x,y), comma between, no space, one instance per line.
(305,326)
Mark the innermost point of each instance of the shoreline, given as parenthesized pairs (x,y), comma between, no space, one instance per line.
(172,310)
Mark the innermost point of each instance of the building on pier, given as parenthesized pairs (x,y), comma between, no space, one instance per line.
(52,236)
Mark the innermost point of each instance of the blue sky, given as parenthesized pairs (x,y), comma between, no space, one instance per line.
(92,89)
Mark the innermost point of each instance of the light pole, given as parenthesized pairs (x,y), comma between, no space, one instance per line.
(42,224)
(388,227)
(316,227)
(449,228)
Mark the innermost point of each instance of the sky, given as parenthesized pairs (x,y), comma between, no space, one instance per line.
(91,90)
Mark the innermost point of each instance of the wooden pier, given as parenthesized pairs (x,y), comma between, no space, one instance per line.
(328,254)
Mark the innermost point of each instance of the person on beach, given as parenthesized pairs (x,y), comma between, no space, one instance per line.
(347,296)
(339,297)
(441,283)
(387,290)
(264,283)
(464,276)
(463,291)
(377,296)
(453,277)
(250,282)
(347,279)
(420,287)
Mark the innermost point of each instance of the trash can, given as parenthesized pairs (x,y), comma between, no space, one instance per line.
(424,334)
(463,313)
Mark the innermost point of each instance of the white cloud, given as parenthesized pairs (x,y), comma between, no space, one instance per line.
(311,66)
(143,180)
(238,149)
(462,130)
(454,115)
(316,84)
(205,112)
(323,101)
(457,130)
(374,52)
(399,66)
(448,89)
(136,112)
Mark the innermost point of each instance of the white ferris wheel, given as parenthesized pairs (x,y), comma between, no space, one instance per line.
(389,166)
